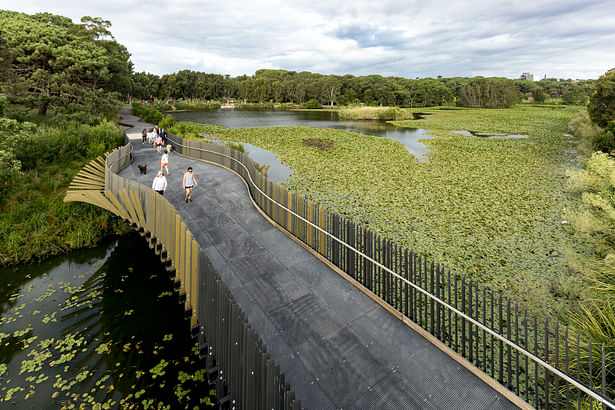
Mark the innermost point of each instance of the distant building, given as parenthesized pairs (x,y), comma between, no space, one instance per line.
(527,76)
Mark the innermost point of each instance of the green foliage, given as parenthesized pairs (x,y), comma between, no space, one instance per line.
(593,224)
(167,122)
(69,142)
(12,136)
(605,141)
(375,113)
(586,132)
(312,104)
(3,103)
(539,95)
(55,64)
(195,105)
(602,101)
(236,146)
(147,113)
(489,93)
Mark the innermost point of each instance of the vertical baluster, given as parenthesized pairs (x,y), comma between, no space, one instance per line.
(567,370)
(578,369)
(508,348)
(501,344)
(591,383)
(456,318)
(463,321)
(516,372)
(450,313)
(431,302)
(470,325)
(557,364)
(546,358)
(484,367)
(536,386)
(603,370)
(527,347)
(492,339)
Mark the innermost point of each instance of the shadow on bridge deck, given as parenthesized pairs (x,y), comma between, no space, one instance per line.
(337,347)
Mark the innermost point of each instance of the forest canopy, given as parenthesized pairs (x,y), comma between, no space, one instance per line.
(47,62)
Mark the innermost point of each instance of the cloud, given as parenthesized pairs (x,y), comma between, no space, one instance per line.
(410,38)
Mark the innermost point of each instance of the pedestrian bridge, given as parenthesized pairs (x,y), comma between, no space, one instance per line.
(296,307)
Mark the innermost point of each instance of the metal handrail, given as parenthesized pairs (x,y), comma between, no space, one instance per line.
(520,349)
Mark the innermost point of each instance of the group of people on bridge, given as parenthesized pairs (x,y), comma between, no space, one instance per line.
(158,137)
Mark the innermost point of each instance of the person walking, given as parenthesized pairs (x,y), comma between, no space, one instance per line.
(189,183)
(164,161)
(144,135)
(160,183)
(158,144)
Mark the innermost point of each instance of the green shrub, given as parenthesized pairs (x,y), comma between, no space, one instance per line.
(605,141)
(312,104)
(167,122)
(69,142)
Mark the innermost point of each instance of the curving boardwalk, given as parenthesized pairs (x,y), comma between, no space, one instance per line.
(338,348)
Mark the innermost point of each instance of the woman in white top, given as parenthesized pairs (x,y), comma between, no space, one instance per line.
(160,183)
(164,161)
(189,182)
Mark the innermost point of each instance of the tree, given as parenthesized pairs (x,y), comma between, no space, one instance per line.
(489,93)
(539,95)
(330,87)
(601,106)
(53,62)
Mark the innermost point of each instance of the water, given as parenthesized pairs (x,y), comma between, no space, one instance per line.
(483,135)
(320,119)
(78,330)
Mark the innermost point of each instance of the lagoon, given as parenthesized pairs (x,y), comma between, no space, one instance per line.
(410,137)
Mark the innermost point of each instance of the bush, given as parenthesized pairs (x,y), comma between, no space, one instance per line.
(312,104)
(605,141)
(69,142)
(167,122)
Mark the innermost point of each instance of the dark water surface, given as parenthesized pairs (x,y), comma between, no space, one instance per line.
(98,327)
(320,119)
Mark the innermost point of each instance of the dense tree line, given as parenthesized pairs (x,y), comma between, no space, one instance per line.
(47,62)
(281,86)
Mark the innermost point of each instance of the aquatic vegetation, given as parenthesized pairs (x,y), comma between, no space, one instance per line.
(490,209)
(79,346)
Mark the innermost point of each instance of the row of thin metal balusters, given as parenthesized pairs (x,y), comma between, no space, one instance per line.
(245,370)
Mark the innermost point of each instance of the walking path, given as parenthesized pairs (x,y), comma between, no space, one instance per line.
(338,348)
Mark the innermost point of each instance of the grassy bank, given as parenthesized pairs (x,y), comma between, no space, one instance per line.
(488,208)
(374,113)
(35,223)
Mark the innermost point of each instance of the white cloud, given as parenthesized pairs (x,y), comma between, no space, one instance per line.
(563,38)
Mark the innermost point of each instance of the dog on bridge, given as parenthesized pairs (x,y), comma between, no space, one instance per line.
(142,168)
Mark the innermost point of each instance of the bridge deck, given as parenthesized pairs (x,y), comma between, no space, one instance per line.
(337,347)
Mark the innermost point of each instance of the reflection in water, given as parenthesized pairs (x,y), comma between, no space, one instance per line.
(483,135)
(78,330)
(320,119)
(277,171)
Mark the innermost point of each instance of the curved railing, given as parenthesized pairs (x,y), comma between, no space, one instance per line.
(245,375)
(537,361)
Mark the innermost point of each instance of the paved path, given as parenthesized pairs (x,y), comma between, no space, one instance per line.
(338,348)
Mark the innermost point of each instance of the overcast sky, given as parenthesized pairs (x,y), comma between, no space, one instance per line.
(560,38)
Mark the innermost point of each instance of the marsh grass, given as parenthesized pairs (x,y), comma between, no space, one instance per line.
(375,113)
(35,223)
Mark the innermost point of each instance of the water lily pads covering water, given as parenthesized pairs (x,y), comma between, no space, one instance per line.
(97,329)
(490,209)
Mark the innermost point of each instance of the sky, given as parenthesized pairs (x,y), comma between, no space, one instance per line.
(452,38)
